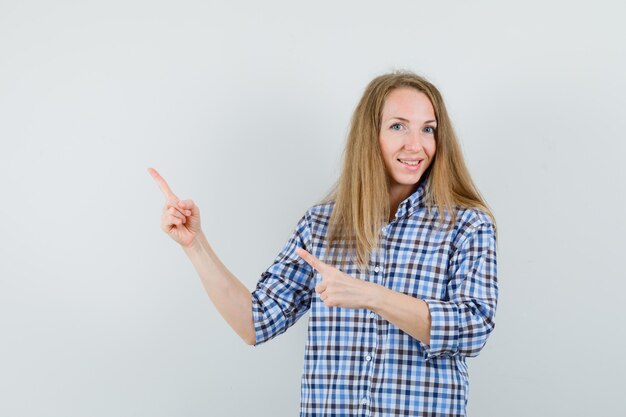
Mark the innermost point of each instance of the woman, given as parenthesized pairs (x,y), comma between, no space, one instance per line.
(397,266)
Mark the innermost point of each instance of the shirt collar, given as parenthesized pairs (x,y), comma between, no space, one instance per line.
(415,200)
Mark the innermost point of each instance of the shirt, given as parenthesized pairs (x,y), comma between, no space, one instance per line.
(357,363)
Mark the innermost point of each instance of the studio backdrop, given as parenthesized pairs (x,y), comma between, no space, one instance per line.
(244,107)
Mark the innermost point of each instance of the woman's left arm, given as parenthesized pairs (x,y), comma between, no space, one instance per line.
(461,324)
(458,325)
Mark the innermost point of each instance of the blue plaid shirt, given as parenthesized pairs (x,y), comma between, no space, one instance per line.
(355,361)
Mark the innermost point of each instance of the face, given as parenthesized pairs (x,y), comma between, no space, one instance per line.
(407,139)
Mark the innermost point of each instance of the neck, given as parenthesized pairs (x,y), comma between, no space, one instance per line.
(397,195)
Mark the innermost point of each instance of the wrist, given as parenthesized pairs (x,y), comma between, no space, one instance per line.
(195,244)
(375,296)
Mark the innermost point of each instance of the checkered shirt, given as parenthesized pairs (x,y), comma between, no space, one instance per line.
(356,363)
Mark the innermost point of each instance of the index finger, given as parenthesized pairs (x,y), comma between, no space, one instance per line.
(311,260)
(162,184)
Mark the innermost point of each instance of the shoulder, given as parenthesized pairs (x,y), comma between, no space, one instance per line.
(313,224)
(472,217)
(471,221)
(319,214)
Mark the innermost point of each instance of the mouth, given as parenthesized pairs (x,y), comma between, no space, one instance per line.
(411,164)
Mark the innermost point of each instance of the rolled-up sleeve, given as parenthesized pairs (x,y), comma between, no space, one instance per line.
(462,324)
(283,293)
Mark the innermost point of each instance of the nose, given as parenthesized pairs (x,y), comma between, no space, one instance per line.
(414,142)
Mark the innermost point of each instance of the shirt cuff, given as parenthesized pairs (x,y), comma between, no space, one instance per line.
(444,329)
(269,319)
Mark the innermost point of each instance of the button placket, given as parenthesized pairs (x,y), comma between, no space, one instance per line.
(369,364)
(378,276)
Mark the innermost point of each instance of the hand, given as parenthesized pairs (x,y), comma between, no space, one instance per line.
(337,288)
(180,218)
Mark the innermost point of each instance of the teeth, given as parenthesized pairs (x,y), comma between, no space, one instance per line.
(409,162)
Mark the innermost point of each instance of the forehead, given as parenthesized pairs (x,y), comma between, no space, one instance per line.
(408,103)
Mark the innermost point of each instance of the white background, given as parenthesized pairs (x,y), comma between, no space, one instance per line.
(244,107)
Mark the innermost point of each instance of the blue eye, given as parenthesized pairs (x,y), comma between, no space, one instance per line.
(395,124)
(431,127)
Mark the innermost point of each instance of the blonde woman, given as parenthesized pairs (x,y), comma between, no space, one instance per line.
(397,266)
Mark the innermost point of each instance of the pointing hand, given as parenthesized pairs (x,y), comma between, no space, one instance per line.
(338,289)
(180,218)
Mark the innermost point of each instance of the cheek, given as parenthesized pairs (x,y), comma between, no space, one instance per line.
(431,148)
(384,149)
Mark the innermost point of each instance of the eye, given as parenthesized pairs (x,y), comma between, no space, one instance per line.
(395,124)
(431,127)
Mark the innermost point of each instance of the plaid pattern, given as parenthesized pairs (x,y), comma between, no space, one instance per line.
(355,361)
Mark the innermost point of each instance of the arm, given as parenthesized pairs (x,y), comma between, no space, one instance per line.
(181,220)
(461,324)
(230,296)
(408,313)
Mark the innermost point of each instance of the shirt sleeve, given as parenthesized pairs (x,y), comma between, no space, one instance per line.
(461,325)
(283,293)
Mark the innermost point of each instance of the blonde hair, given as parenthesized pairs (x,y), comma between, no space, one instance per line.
(361,193)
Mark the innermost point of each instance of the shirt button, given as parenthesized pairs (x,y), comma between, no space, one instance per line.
(368,358)
(372,315)
(376,269)
(363,401)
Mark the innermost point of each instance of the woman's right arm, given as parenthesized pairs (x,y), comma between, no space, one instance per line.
(229,295)
(181,221)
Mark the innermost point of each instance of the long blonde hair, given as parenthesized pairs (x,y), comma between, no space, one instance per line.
(361,193)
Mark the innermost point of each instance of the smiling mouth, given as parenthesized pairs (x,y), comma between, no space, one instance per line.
(411,163)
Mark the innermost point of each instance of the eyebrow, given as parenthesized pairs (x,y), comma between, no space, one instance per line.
(408,121)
